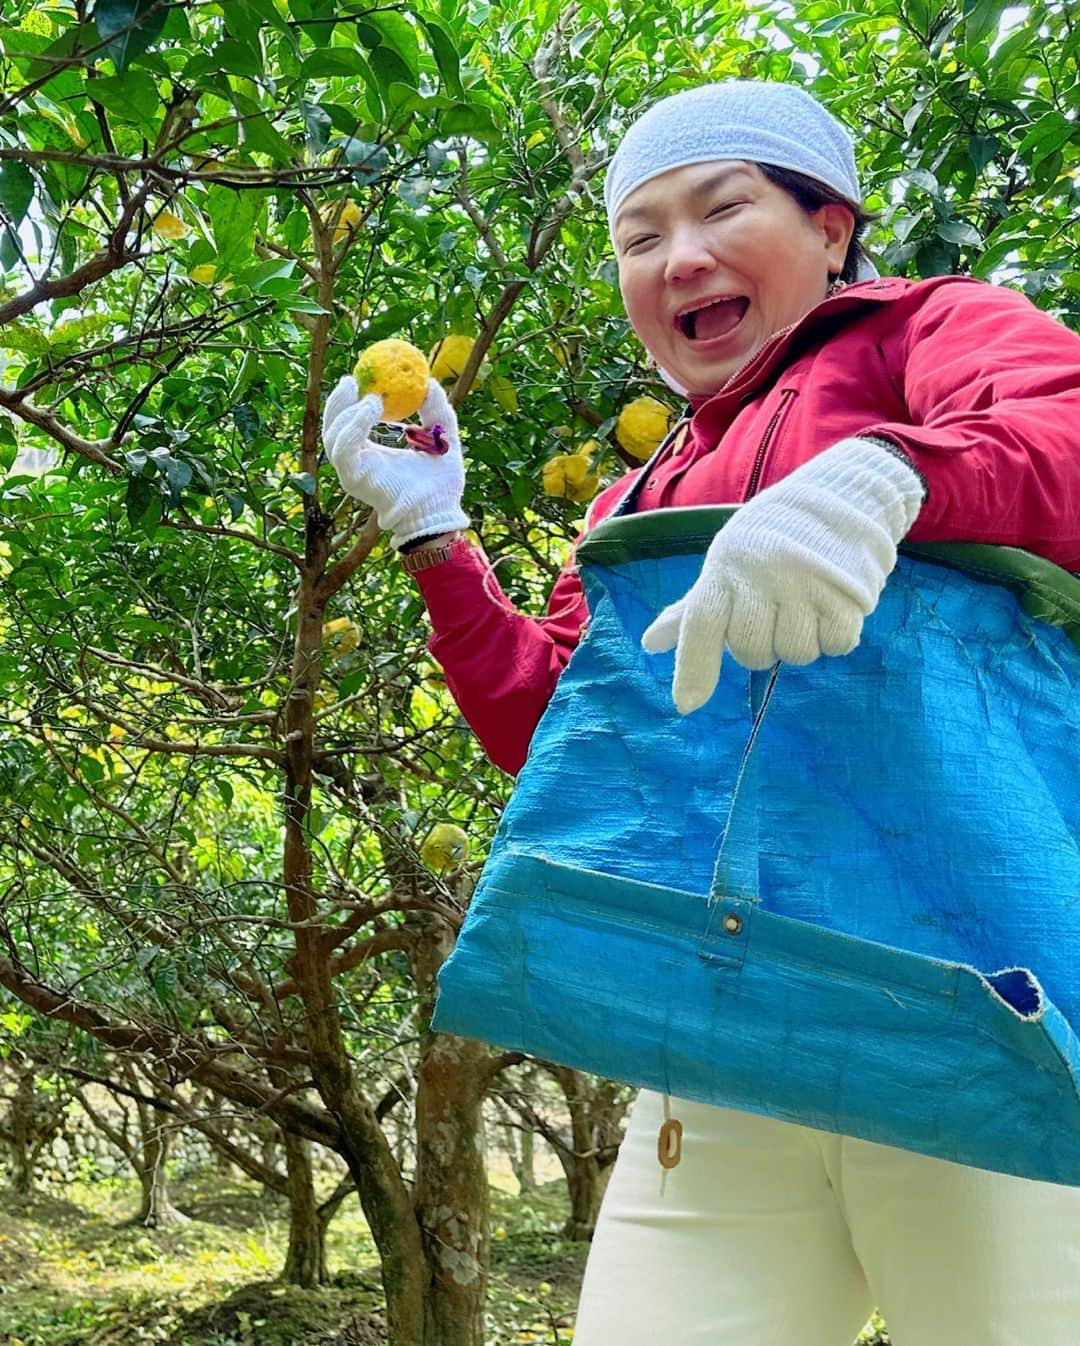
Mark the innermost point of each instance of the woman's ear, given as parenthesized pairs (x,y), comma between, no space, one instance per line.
(837,224)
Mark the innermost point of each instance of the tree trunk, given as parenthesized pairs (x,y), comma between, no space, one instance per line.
(525,1163)
(580,1160)
(305,1261)
(156,1211)
(451,1191)
(384,1196)
(21,1133)
(585,1182)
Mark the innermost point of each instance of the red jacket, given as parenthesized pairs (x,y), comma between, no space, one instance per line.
(979,387)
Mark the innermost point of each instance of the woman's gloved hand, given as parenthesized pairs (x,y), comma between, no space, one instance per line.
(415,492)
(795,571)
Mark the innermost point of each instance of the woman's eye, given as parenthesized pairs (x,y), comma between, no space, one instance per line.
(636,242)
(723,208)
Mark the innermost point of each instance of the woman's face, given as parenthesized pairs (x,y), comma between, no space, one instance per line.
(714,258)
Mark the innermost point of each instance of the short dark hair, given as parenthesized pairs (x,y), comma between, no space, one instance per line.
(811,195)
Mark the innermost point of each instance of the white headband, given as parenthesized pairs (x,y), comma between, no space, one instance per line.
(777,124)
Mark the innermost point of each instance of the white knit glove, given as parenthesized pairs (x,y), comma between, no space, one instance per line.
(415,492)
(795,571)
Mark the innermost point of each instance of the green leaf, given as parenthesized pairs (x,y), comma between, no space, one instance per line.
(396,33)
(238,58)
(256,277)
(257,133)
(957,231)
(298,304)
(330,61)
(920,177)
(989,260)
(468,119)
(446,56)
(414,191)
(164,979)
(133,97)
(902,225)
(16,189)
(128,27)
(403,99)
(390,69)
(303,482)
(265,10)
(317,124)
(982,150)
(233,215)
(247,421)
(838,21)
(138,498)
(370,161)
(91,768)
(504,392)
(981,19)
(176,472)
(1049,133)
(935,258)
(9,250)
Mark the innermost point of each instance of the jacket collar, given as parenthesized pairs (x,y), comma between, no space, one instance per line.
(773,354)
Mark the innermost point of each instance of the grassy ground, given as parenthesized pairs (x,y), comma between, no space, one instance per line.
(72,1273)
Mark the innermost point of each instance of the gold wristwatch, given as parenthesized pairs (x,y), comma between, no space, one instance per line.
(422,557)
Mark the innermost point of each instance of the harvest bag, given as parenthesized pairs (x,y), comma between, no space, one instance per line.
(846,895)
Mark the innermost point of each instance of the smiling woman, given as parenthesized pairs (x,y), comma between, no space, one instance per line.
(735,210)
(714,261)
(844,413)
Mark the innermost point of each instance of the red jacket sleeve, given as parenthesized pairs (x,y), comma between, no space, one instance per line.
(501,666)
(993,387)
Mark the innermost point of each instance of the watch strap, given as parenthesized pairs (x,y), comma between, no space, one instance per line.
(423,558)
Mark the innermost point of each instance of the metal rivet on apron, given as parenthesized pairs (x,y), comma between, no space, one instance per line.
(733,924)
(669,1143)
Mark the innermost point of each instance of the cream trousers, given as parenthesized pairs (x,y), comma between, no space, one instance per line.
(768,1234)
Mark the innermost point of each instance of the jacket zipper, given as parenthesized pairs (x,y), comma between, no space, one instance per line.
(770,344)
(766,440)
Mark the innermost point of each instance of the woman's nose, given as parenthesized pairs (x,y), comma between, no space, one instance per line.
(688,255)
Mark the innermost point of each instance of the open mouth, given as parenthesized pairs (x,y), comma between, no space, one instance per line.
(715,319)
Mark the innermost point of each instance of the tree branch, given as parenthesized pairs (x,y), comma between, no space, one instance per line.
(111,258)
(189,1058)
(97,450)
(186,525)
(339,575)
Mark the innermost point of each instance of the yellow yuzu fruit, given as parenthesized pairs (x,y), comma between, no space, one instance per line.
(167,225)
(346,222)
(444,848)
(450,356)
(398,372)
(37,23)
(567,475)
(642,424)
(342,636)
(504,392)
(325,697)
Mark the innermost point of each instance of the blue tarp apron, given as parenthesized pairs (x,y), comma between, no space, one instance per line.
(846,895)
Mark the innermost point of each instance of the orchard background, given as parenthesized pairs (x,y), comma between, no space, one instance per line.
(240,818)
